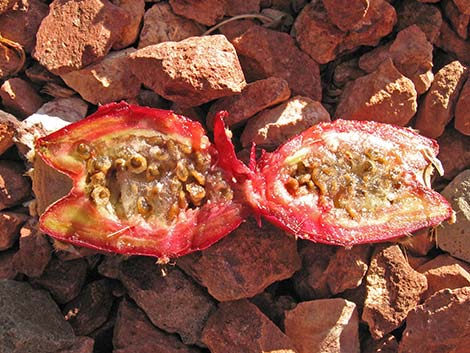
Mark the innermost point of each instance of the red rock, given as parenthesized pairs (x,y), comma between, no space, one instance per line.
(63,279)
(11,61)
(425,16)
(347,267)
(5,5)
(7,268)
(454,152)
(255,97)
(265,53)
(274,307)
(81,345)
(106,81)
(324,326)
(451,43)
(77,33)
(453,238)
(438,106)
(272,127)
(190,72)
(416,261)
(447,316)
(35,251)
(443,272)
(347,71)
(370,61)
(241,7)
(161,24)
(135,333)
(311,281)
(91,308)
(459,21)
(420,243)
(8,127)
(463,6)
(384,96)
(21,23)
(388,344)
(206,12)
(346,15)
(240,327)
(235,29)
(14,186)
(20,97)
(393,289)
(171,300)
(462,110)
(226,268)
(135,10)
(10,225)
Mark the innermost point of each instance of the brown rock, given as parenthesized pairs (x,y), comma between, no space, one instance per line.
(172,301)
(459,21)
(370,61)
(77,33)
(14,187)
(226,268)
(454,152)
(273,306)
(384,96)
(462,110)
(345,14)
(135,10)
(463,6)
(234,29)
(63,279)
(69,109)
(445,272)
(420,242)
(265,53)
(425,16)
(451,43)
(21,24)
(133,332)
(11,60)
(161,24)
(324,326)
(206,12)
(347,267)
(311,281)
(20,97)
(241,7)
(447,315)
(8,127)
(393,289)
(255,97)
(35,251)
(5,5)
(437,108)
(241,327)
(10,225)
(91,308)
(388,344)
(274,126)
(347,71)
(190,72)
(107,81)
(81,345)
(453,238)
(7,268)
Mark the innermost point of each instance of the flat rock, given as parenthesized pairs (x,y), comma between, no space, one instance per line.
(425,16)
(265,53)
(21,24)
(133,332)
(135,10)
(454,152)
(20,97)
(240,327)
(77,33)
(453,238)
(447,315)
(385,96)
(14,186)
(63,279)
(438,106)
(255,97)
(171,300)
(107,81)
(274,126)
(324,326)
(226,268)
(462,110)
(161,24)
(393,288)
(190,72)
(345,14)
(10,225)
(450,42)
(31,321)
(206,12)
(35,251)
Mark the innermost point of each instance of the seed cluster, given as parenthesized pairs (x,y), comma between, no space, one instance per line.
(356,182)
(150,177)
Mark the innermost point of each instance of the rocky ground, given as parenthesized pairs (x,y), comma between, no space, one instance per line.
(278,67)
